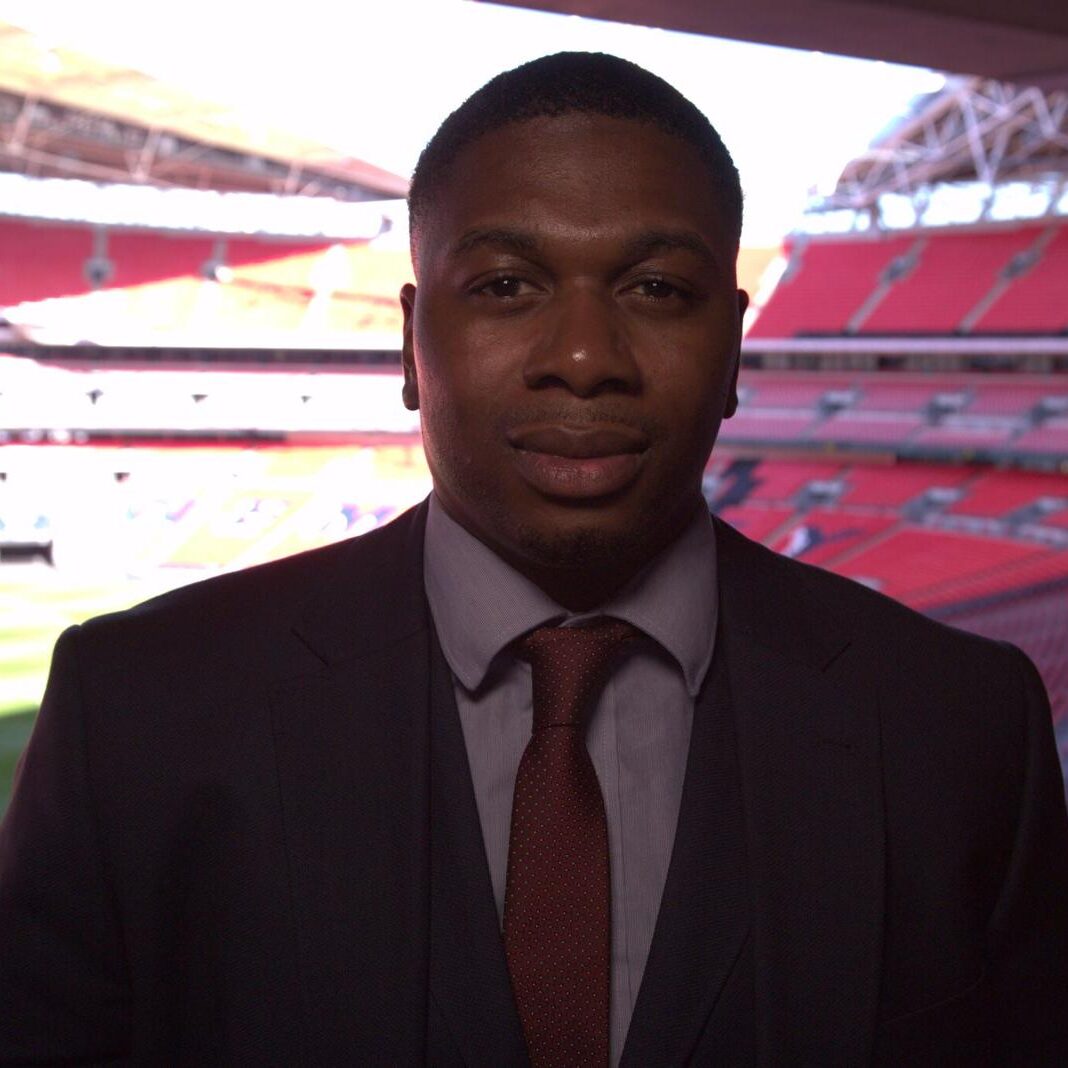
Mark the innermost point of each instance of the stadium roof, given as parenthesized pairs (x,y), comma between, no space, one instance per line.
(65,114)
(1019,41)
(974,129)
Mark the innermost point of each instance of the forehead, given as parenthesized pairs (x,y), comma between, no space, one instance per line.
(579,177)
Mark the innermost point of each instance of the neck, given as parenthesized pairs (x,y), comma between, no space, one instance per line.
(580,590)
(587,584)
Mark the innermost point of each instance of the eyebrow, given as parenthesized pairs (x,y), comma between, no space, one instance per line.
(500,238)
(637,248)
(652,242)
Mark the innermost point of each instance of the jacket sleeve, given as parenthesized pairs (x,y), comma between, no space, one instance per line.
(1029,929)
(64,993)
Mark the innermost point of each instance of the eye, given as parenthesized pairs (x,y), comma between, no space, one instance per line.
(506,287)
(658,289)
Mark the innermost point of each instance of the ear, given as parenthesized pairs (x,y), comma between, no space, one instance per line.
(410,390)
(732,394)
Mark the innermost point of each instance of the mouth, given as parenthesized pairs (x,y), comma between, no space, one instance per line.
(579,463)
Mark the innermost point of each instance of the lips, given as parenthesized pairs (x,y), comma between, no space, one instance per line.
(579,442)
(578,463)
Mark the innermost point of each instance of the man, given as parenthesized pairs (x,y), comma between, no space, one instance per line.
(320,812)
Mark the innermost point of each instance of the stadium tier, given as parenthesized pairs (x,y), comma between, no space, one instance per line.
(953,272)
(932,415)
(1037,300)
(1051,437)
(122,287)
(38,261)
(981,548)
(999,494)
(140,258)
(1012,279)
(892,487)
(913,530)
(936,416)
(943,539)
(866,428)
(770,425)
(825,282)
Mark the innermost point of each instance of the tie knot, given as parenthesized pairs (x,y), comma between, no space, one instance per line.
(569,666)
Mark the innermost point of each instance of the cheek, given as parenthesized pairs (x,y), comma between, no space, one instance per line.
(454,406)
(466,384)
(688,380)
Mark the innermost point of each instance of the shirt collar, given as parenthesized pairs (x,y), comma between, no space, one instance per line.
(480,604)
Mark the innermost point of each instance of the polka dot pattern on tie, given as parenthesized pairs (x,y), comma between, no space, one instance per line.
(557,912)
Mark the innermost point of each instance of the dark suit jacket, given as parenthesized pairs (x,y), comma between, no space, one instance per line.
(244,834)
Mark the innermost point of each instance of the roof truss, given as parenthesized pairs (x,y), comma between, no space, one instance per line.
(975,129)
(41,138)
(65,114)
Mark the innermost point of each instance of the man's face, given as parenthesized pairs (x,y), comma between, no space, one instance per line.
(573,342)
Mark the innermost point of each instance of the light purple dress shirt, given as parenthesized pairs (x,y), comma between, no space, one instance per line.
(638,737)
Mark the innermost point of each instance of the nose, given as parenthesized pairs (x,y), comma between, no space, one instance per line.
(583,349)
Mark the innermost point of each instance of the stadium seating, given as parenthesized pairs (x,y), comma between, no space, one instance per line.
(1035,302)
(892,393)
(283,265)
(934,416)
(999,493)
(961,434)
(825,535)
(769,424)
(935,413)
(1035,571)
(795,391)
(868,428)
(890,487)
(39,260)
(139,257)
(758,522)
(825,285)
(921,566)
(929,535)
(784,481)
(941,538)
(997,280)
(953,273)
(202,290)
(1007,398)
(1050,437)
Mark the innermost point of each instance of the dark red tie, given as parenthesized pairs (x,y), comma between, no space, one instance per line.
(557,914)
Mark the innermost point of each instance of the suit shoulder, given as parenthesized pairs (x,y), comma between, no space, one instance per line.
(857,609)
(239,610)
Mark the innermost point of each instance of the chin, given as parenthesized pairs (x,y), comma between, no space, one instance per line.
(574,547)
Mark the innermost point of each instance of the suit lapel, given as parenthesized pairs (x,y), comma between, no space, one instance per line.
(704,914)
(468,970)
(390,885)
(352,749)
(807,722)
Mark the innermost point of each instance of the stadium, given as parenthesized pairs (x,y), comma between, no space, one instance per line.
(196,376)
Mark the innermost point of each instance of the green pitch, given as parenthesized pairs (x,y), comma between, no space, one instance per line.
(37,604)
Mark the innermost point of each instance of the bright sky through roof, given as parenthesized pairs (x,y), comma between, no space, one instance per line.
(375,80)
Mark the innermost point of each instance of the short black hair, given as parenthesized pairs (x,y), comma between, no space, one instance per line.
(589,82)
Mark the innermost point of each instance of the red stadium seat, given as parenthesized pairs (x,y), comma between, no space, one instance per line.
(1035,302)
(945,279)
(831,280)
(953,273)
(998,493)
(41,260)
